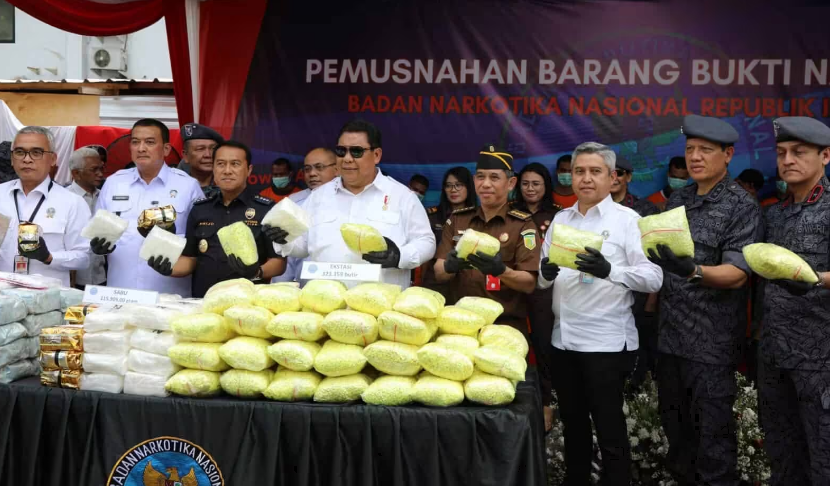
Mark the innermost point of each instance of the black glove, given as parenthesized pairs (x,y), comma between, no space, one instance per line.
(100,246)
(668,261)
(390,258)
(146,231)
(488,265)
(163,267)
(275,234)
(795,288)
(594,263)
(245,271)
(453,264)
(549,270)
(41,254)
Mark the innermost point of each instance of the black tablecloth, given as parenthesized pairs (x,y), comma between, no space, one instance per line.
(51,436)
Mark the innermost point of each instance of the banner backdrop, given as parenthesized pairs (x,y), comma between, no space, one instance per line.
(442,78)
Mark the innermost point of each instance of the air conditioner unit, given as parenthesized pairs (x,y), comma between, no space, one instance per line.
(107,57)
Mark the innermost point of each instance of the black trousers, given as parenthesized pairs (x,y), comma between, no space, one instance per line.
(647,354)
(590,386)
(540,312)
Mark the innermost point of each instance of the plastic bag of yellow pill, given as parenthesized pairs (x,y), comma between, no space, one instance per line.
(445,362)
(472,242)
(338,359)
(249,320)
(400,328)
(323,296)
(393,358)
(504,337)
(567,242)
(464,344)
(224,295)
(305,326)
(500,362)
(198,356)
(205,328)
(372,298)
(670,228)
(455,320)
(351,327)
(294,355)
(194,383)
(245,383)
(341,389)
(246,353)
(362,238)
(237,239)
(419,302)
(390,391)
(278,298)
(293,386)
(775,263)
(489,389)
(489,309)
(437,392)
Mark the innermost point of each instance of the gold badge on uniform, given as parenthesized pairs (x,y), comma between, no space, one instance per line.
(529,238)
(449,222)
(504,237)
(250,213)
(50,213)
(203,246)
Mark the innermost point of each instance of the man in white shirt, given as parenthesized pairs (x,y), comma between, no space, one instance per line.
(87,176)
(594,336)
(35,198)
(363,195)
(127,193)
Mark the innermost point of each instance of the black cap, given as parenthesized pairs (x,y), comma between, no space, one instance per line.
(6,152)
(624,164)
(492,157)
(753,177)
(708,128)
(801,128)
(194,131)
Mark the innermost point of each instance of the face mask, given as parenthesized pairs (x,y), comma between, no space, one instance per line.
(281,182)
(420,196)
(564,179)
(676,183)
(781,186)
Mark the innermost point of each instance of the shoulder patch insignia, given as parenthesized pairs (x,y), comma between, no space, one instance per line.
(432,210)
(203,200)
(529,238)
(519,214)
(463,210)
(263,200)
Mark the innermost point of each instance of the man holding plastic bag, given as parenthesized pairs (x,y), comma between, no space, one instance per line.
(225,237)
(703,309)
(593,258)
(794,369)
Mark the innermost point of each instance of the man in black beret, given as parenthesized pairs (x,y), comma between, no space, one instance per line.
(794,369)
(703,310)
(198,144)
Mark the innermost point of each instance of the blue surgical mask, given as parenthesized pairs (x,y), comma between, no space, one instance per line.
(281,182)
(676,183)
(564,179)
(420,196)
(781,186)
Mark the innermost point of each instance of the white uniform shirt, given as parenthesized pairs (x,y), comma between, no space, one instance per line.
(596,316)
(299,197)
(62,216)
(125,192)
(95,274)
(294,266)
(385,204)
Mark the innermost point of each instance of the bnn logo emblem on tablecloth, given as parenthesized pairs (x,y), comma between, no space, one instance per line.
(166,461)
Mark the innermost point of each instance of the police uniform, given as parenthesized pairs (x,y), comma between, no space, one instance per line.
(794,372)
(194,131)
(208,216)
(127,195)
(701,329)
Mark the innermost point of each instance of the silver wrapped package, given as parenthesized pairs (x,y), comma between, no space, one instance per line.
(37,301)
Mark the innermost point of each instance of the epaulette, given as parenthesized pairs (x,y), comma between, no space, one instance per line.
(263,200)
(432,210)
(205,199)
(519,214)
(463,210)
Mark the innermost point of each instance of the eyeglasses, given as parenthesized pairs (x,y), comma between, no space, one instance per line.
(357,151)
(35,153)
(454,187)
(621,172)
(317,167)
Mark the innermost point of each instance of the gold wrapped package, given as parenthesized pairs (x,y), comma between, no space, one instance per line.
(500,362)
(278,298)
(445,362)
(76,314)
(63,338)
(390,391)
(245,383)
(198,356)
(466,345)
(472,242)
(489,309)
(455,320)
(400,328)
(488,389)
(420,302)
(372,298)
(237,239)
(246,353)
(351,327)
(341,389)
(28,236)
(362,238)
(777,263)
(434,391)
(393,358)
(567,242)
(305,326)
(293,386)
(294,355)
(504,337)
(249,320)
(205,328)
(323,296)
(164,217)
(62,360)
(338,359)
(670,228)
(61,378)
(194,383)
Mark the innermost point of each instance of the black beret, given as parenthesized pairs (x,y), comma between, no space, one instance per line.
(6,151)
(492,157)
(194,131)
(801,128)
(708,128)
(624,164)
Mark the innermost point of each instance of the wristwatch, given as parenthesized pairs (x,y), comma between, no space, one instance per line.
(697,276)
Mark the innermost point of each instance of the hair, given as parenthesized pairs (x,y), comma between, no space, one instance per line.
(547,194)
(37,130)
(102,152)
(560,160)
(678,163)
(152,122)
(752,176)
(420,179)
(608,155)
(358,125)
(282,161)
(464,177)
(234,144)
(77,160)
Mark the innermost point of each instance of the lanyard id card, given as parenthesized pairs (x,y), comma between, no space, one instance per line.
(586,278)
(21,265)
